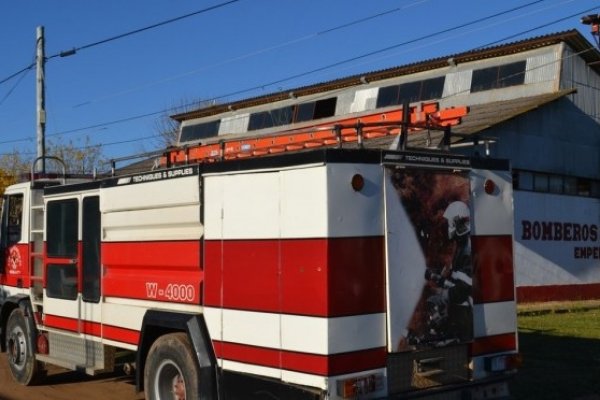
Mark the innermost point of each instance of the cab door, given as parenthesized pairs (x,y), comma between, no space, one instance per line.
(72,265)
(13,243)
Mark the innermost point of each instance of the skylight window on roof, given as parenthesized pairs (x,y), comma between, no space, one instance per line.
(498,77)
(199,131)
(412,92)
(270,118)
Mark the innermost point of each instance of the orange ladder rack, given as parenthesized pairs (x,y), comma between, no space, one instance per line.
(358,129)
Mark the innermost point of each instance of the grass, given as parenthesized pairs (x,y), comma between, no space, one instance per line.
(560,344)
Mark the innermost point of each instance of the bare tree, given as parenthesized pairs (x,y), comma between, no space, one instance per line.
(168,129)
(79,157)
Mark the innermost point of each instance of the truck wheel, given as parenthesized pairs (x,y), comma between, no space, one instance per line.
(171,373)
(19,349)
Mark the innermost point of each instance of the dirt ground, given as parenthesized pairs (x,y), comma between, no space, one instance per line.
(67,385)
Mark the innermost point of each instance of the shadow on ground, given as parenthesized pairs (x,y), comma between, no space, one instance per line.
(556,367)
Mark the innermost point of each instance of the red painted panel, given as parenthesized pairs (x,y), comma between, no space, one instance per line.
(493,274)
(494,344)
(121,334)
(532,294)
(356,276)
(317,364)
(242,274)
(152,255)
(317,277)
(16,266)
(92,328)
(335,364)
(305,277)
(159,271)
(55,321)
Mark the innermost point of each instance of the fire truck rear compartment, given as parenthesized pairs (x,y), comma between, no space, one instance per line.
(427,368)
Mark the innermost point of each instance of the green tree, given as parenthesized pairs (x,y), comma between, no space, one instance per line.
(13,168)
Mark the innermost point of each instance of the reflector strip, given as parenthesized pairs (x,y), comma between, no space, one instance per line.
(336,364)
(494,344)
(493,275)
(93,328)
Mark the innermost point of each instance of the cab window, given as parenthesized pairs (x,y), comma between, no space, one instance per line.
(13,218)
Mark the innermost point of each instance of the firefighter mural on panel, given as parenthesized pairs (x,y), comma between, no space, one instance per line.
(437,208)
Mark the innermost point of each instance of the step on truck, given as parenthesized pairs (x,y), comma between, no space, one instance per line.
(327,273)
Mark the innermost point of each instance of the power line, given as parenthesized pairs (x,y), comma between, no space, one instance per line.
(8,78)
(487,27)
(262,86)
(365,55)
(10,91)
(120,36)
(140,30)
(260,51)
(157,136)
(342,62)
(556,21)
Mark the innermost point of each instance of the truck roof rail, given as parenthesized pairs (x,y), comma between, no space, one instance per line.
(44,175)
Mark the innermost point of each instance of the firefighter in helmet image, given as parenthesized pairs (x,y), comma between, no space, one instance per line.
(450,303)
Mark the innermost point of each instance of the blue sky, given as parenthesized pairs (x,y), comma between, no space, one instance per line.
(246,44)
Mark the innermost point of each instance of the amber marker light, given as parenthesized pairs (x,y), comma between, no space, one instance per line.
(358,182)
(489,186)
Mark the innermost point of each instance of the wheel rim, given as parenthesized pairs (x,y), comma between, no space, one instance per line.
(17,348)
(169,383)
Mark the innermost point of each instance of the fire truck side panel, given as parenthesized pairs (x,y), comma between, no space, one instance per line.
(151,246)
(294,270)
(493,279)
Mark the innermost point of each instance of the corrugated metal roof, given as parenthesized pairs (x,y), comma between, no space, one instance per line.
(484,116)
(479,118)
(572,37)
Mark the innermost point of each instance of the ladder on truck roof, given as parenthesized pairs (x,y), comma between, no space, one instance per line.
(36,230)
(426,116)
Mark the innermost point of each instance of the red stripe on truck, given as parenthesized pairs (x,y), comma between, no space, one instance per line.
(493,275)
(158,271)
(316,277)
(494,344)
(317,364)
(108,332)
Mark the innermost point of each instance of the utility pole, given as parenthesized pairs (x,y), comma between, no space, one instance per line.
(41,98)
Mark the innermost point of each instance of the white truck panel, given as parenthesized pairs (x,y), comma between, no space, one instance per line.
(169,223)
(312,202)
(491,319)
(149,194)
(494,212)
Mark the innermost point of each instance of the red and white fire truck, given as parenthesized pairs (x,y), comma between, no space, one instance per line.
(332,272)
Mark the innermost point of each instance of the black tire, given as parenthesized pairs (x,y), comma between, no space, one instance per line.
(171,373)
(20,350)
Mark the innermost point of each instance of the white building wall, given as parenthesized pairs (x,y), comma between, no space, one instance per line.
(568,253)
